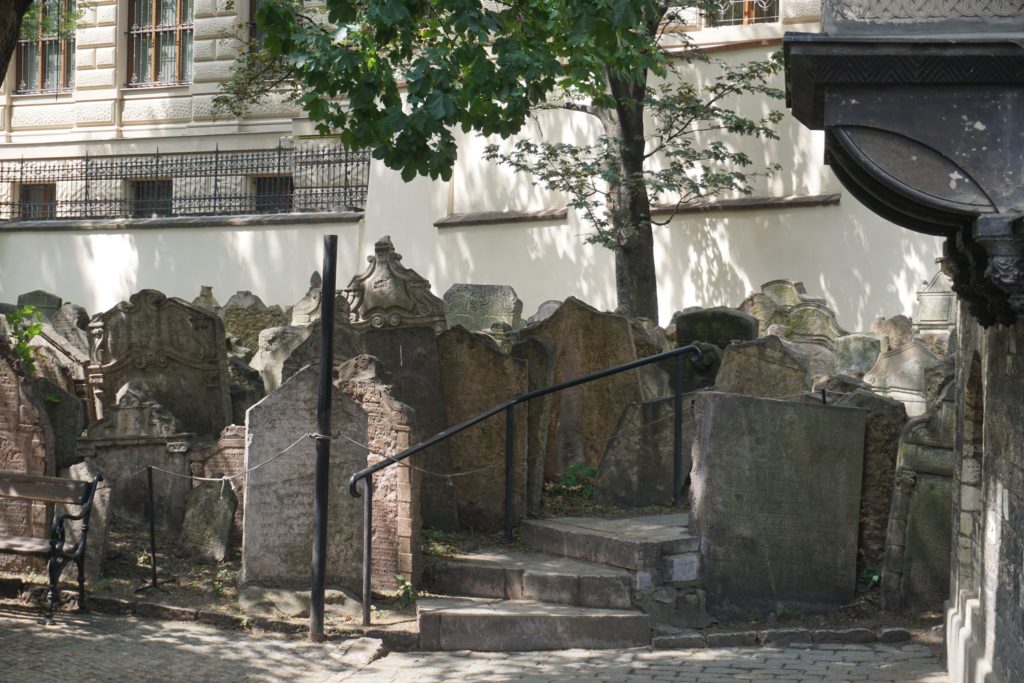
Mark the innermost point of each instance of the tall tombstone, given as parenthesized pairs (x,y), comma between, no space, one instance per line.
(478,307)
(475,377)
(583,418)
(901,374)
(278,518)
(25,442)
(245,316)
(72,323)
(168,349)
(935,313)
(766,367)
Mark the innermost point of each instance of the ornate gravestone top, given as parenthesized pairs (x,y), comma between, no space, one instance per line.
(479,307)
(390,295)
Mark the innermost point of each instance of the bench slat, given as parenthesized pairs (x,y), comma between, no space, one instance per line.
(35,487)
(24,546)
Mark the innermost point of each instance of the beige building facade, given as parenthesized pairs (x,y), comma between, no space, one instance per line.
(117,174)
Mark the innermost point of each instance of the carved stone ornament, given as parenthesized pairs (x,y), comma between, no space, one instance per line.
(389,295)
(925,9)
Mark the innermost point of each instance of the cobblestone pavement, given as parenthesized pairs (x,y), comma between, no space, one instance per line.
(811,664)
(103,648)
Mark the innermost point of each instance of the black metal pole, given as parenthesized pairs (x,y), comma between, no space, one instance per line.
(677,446)
(509,444)
(367,545)
(323,443)
(152,525)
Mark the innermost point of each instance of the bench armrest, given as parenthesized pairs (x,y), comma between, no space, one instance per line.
(57,532)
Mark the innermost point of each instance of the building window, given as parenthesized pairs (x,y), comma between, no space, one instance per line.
(272,194)
(151,198)
(160,42)
(46,51)
(743,12)
(37,201)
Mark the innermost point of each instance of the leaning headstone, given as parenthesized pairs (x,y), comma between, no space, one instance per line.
(170,350)
(650,340)
(474,378)
(25,440)
(813,322)
(786,293)
(583,419)
(207,527)
(901,374)
(275,346)
(775,493)
(246,388)
(856,354)
(59,360)
(99,521)
(346,341)
(277,541)
(206,300)
(245,316)
(388,295)
(46,304)
(885,421)
(66,415)
(477,307)
(539,355)
(544,311)
(410,355)
(765,367)
(765,310)
(72,323)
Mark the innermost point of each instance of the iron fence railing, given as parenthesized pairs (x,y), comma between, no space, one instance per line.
(321,178)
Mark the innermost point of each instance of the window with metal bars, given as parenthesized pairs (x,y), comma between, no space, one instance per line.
(743,12)
(152,198)
(46,59)
(37,201)
(272,194)
(159,42)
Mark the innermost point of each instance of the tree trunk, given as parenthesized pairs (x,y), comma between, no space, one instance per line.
(629,207)
(11,13)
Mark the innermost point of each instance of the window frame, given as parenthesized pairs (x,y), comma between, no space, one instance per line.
(157,205)
(31,210)
(66,51)
(749,14)
(182,30)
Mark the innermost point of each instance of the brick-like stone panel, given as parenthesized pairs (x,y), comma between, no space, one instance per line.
(105,57)
(168,109)
(215,27)
(204,50)
(43,116)
(211,72)
(96,78)
(96,37)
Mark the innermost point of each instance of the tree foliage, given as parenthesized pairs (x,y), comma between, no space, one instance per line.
(401,76)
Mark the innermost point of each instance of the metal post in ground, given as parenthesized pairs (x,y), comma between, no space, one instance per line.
(154,583)
(323,442)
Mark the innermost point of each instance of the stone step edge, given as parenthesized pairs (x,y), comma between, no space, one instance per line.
(535,533)
(36,595)
(781,637)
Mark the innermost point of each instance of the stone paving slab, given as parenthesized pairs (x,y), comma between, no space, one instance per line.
(96,647)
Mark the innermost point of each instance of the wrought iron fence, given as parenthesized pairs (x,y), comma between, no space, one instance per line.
(322,178)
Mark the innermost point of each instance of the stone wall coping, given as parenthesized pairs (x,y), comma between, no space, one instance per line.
(496,217)
(181,222)
(753,203)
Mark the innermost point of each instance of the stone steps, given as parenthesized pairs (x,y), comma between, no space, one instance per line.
(532,576)
(520,625)
(635,543)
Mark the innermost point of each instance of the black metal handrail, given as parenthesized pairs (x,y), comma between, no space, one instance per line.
(366,475)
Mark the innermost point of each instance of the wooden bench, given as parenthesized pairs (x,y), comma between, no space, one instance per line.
(29,487)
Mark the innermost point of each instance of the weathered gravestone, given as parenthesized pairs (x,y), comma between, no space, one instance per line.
(719,326)
(900,374)
(59,360)
(411,357)
(935,313)
(638,468)
(544,311)
(856,354)
(885,420)
(25,441)
(137,433)
(208,518)
(72,323)
(474,378)
(539,355)
(99,521)
(277,541)
(583,418)
(66,415)
(246,388)
(477,307)
(168,349)
(245,316)
(206,300)
(897,331)
(225,458)
(388,295)
(46,304)
(775,493)
(765,367)
(307,309)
